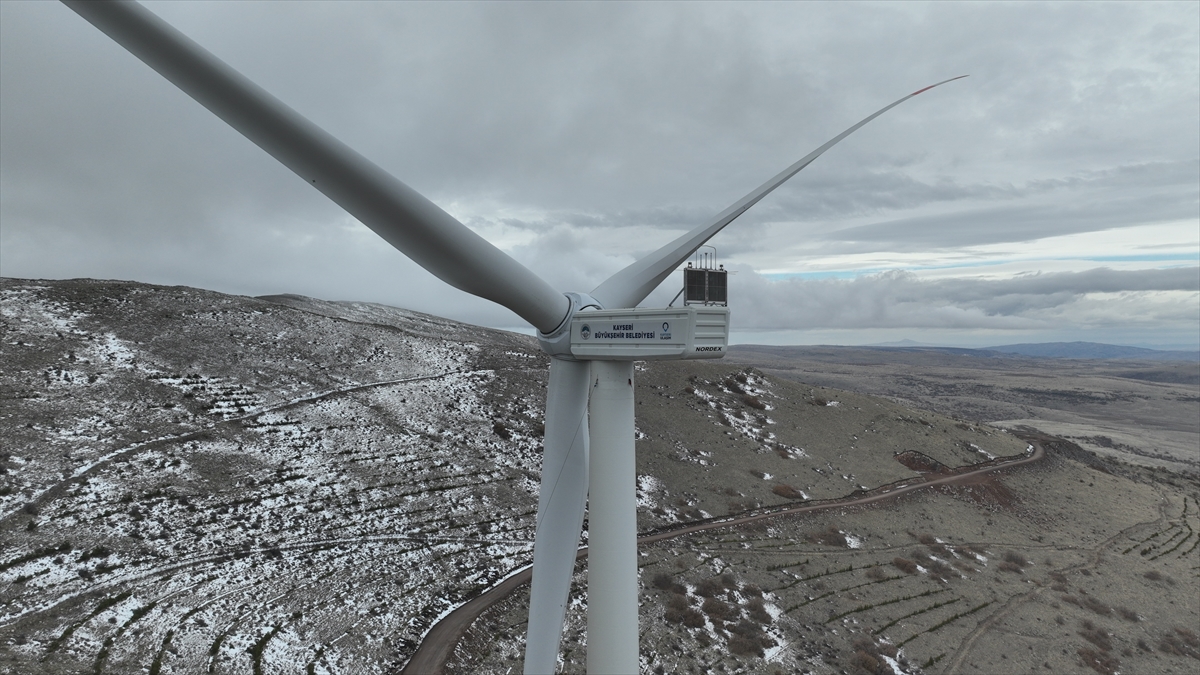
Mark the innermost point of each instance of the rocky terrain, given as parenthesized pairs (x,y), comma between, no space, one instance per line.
(198,483)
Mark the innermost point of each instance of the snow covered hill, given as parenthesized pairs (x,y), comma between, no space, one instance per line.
(193,482)
(197,478)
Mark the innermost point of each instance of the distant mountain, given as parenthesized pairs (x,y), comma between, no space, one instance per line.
(1093,350)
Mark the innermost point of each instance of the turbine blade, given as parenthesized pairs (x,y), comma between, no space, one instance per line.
(410,222)
(631,285)
(560,511)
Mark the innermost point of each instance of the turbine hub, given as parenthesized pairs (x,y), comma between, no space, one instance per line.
(557,343)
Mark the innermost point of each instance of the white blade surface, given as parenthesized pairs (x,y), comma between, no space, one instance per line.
(631,285)
(396,212)
(560,511)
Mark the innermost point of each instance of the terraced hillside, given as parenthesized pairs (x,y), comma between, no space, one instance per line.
(199,483)
(1074,564)
(202,483)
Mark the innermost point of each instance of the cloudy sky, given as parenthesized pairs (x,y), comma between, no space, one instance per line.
(1053,195)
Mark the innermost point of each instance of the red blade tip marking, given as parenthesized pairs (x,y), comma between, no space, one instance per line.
(937,85)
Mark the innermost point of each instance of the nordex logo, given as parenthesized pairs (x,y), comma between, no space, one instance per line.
(709,349)
(585,332)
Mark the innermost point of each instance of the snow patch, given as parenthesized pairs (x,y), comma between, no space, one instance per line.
(647,488)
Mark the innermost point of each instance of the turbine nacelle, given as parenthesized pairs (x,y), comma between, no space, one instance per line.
(640,334)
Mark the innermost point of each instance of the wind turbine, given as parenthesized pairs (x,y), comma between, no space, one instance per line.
(589,439)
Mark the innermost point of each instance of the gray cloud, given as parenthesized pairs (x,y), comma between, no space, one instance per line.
(1122,197)
(903,300)
(596,131)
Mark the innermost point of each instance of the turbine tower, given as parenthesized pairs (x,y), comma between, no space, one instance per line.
(593,338)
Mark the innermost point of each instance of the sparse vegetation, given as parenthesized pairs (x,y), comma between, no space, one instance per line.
(1095,635)
(754,402)
(1128,614)
(1180,642)
(1099,661)
(311,494)
(830,536)
(787,491)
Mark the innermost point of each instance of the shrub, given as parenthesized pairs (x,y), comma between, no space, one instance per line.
(708,588)
(757,611)
(1095,635)
(500,430)
(933,544)
(876,574)
(719,610)
(965,566)
(754,402)
(866,657)
(1101,662)
(905,565)
(1128,614)
(748,638)
(1155,575)
(743,646)
(1010,567)
(940,570)
(1015,558)
(687,616)
(787,491)
(1095,605)
(830,536)
(1180,642)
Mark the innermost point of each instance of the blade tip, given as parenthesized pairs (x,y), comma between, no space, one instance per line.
(919,91)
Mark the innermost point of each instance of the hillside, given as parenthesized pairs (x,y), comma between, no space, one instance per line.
(1135,410)
(200,483)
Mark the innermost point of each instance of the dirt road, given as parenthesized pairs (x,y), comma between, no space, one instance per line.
(439,643)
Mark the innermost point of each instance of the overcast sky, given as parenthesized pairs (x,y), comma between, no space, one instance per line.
(1053,195)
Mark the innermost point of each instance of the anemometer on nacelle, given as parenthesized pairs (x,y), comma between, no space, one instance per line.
(698,330)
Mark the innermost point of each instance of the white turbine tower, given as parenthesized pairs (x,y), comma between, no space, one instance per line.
(589,440)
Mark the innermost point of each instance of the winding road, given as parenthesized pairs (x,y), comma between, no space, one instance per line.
(439,643)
